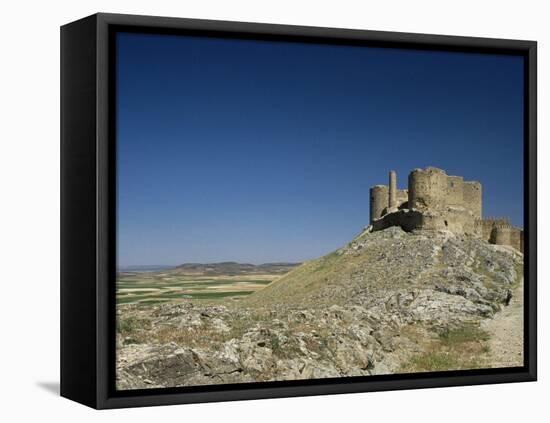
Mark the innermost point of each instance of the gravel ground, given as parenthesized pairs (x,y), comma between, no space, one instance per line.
(506,331)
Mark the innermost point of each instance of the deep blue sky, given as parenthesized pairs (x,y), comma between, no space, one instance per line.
(259,151)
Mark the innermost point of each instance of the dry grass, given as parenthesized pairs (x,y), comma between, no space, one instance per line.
(458,349)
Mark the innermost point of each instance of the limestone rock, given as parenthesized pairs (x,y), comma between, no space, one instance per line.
(355,312)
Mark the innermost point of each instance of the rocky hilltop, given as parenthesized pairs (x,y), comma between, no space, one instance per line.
(388,302)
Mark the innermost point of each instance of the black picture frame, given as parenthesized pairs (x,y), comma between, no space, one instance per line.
(88,214)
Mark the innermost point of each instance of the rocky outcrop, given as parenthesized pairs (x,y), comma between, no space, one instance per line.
(349,313)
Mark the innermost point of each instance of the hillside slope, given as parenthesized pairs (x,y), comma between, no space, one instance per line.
(456,274)
(388,302)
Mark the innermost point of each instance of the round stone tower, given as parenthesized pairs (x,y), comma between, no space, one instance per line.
(378,201)
(502,235)
(427,188)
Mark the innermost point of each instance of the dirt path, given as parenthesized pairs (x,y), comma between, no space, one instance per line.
(506,331)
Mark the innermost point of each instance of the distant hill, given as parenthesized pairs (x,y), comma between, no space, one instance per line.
(231,268)
(145,268)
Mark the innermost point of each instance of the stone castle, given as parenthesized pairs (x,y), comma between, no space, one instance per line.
(437,201)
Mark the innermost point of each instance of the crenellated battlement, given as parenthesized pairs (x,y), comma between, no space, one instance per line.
(502,226)
(497,221)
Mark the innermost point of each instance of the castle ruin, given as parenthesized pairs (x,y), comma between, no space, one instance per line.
(437,201)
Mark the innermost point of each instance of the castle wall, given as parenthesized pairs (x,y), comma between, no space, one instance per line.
(486,229)
(455,220)
(515,238)
(427,188)
(402,198)
(378,201)
(409,220)
(472,197)
(455,191)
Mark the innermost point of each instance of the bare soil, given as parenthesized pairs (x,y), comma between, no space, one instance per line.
(506,333)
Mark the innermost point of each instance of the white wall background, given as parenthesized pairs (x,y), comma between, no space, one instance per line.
(29,211)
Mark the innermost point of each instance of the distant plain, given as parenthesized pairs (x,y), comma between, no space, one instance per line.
(196,281)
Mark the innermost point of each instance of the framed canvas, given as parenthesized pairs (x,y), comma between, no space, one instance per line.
(257,211)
